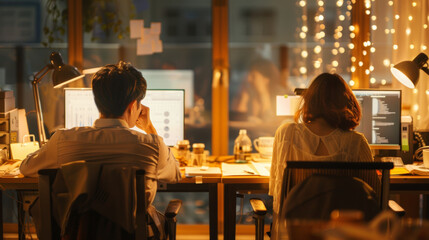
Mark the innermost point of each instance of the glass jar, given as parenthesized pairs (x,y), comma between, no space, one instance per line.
(183,152)
(198,154)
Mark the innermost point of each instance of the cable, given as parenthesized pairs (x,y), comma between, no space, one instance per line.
(418,154)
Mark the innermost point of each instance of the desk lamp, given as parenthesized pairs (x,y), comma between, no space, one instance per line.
(407,72)
(62,74)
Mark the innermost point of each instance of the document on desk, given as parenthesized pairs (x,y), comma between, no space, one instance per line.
(200,171)
(263,168)
(417,169)
(238,169)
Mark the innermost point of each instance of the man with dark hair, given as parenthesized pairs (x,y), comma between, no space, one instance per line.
(118,90)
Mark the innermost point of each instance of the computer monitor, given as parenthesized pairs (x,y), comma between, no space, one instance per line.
(166,111)
(381,117)
(172,79)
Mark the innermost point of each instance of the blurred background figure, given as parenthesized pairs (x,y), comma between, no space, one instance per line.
(256,99)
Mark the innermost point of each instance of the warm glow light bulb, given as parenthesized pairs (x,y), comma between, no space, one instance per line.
(304,54)
(360,63)
(341,17)
(396,16)
(410,18)
(303,70)
(372,80)
(351,83)
(304,28)
(351,28)
(408,31)
(414,4)
(390,3)
(372,49)
(341,49)
(353,69)
(395,47)
(383,82)
(317,49)
(386,62)
(302,3)
(411,46)
(374,27)
(335,63)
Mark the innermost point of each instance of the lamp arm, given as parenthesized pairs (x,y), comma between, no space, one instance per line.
(425,69)
(40,124)
(39,76)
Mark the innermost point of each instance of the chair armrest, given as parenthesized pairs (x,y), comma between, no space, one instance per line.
(173,208)
(258,206)
(396,208)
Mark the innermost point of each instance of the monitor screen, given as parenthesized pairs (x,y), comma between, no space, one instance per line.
(172,79)
(381,117)
(166,111)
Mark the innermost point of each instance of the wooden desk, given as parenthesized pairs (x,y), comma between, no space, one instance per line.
(257,184)
(16,183)
(208,184)
(231,185)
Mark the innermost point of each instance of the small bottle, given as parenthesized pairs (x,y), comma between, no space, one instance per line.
(183,153)
(198,155)
(242,146)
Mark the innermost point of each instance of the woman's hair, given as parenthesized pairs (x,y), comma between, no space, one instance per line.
(330,98)
(115,86)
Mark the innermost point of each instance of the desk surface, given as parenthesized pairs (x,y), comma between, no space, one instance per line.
(395,179)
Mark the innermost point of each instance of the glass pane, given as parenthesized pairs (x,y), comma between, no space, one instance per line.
(184,62)
(277,46)
(185,59)
(28,35)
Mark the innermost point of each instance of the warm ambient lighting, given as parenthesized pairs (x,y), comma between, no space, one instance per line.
(62,74)
(407,72)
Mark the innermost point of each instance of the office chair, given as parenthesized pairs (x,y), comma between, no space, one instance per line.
(298,171)
(111,205)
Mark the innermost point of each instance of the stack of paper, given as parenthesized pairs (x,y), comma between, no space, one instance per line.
(203,171)
(417,169)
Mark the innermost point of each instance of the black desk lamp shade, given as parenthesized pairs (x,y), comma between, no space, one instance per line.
(62,74)
(407,72)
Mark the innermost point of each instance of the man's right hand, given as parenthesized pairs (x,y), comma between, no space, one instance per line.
(144,122)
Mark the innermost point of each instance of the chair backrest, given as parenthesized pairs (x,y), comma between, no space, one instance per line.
(79,205)
(297,171)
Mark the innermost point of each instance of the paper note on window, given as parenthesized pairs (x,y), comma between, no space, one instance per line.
(287,105)
(136,27)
